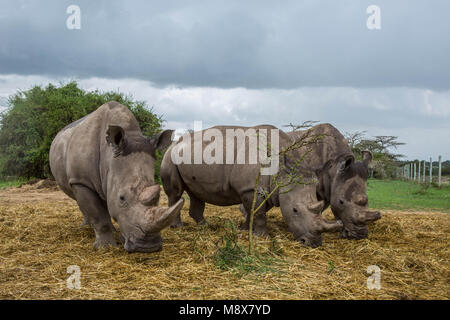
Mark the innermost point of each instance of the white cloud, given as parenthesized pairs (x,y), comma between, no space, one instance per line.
(420,117)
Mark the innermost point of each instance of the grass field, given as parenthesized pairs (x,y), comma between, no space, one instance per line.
(8,184)
(403,195)
(383,194)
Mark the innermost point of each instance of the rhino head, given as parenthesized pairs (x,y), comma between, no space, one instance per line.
(300,207)
(346,180)
(303,214)
(132,194)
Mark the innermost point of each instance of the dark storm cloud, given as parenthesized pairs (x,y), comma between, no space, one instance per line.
(253,44)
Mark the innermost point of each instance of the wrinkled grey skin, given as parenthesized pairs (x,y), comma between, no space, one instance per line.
(230,184)
(341,179)
(105,163)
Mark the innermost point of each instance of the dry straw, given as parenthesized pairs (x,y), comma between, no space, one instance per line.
(41,236)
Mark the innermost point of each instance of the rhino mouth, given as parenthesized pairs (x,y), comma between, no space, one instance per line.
(134,248)
(355,232)
(147,244)
(313,242)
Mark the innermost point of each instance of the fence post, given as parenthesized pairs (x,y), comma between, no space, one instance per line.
(431,170)
(424,171)
(418,173)
(410,171)
(414,174)
(439,171)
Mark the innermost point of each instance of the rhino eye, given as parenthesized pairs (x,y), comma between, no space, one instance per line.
(341,202)
(122,198)
(295,210)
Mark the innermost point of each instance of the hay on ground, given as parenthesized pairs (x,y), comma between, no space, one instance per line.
(41,236)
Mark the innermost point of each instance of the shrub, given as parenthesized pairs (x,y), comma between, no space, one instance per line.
(35,116)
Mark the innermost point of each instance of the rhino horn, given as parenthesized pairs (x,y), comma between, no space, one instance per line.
(331,226)
(157,218)
(316,207)
(150,195)
(369,216)
(366,157)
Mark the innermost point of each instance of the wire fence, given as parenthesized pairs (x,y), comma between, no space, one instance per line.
(418,170)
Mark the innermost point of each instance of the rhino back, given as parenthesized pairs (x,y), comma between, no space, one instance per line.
(222,184)
(332,145)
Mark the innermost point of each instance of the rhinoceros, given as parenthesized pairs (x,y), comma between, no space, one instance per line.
(225,184)
(105,163)
(341,179)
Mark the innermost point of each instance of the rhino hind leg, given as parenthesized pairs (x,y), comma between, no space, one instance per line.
(196,209)
(96,214)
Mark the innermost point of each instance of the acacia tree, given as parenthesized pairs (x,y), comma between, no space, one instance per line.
(383,150)
(354,138)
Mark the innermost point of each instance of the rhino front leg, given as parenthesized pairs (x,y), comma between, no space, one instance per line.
(85,221)
(242,209)
(196,209)
(244,225)
(176,223)
(259,220)
(173,186)
(97,215)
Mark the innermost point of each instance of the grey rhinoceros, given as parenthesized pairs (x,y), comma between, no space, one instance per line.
(105,163)
(226,183)
(341,179)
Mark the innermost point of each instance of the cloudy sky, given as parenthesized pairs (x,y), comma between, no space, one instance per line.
(248,62)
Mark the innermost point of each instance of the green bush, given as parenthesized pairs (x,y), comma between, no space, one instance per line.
(35,116)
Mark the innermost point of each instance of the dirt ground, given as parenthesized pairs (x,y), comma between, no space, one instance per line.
(41,236)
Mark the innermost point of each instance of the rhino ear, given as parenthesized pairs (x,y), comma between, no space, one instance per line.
(324,169)
(115,136)
(162,140)
(345,162)
(366,157)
